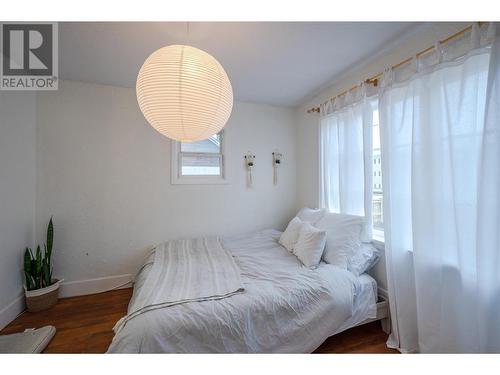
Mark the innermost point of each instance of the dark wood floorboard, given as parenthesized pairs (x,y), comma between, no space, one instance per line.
(84,325)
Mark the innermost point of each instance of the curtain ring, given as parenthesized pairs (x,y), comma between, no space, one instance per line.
(475,35)
(322,107)
(335,103)
(325,108)
(387,76)
(362,89)
(439,51)
(414,63)
(329,107)
(490,33)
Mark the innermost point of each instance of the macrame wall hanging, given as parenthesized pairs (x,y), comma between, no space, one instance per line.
(249,162)
(276,163)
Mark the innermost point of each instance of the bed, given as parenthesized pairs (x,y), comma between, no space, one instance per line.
(284,308)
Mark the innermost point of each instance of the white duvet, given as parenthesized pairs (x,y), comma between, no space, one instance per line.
(285,308)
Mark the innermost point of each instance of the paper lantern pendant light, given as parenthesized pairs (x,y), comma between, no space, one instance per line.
(184,93)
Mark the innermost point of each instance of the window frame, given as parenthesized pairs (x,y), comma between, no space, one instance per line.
(378,235)
(176,168)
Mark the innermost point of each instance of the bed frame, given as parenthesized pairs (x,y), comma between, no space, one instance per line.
(382,314)
(379,273)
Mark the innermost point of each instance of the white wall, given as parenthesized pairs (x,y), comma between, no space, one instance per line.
(104,174)
(17,194)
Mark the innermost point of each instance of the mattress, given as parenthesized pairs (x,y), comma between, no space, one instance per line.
(285,308)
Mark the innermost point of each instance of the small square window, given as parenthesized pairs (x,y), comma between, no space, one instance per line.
(200,162)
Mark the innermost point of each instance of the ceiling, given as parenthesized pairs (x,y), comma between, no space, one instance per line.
(278,63)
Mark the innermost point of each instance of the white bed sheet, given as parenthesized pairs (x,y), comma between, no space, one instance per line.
(286,307)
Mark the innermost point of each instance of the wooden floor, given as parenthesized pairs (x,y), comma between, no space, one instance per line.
(84,325)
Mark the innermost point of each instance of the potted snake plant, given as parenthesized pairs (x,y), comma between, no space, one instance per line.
(41,290)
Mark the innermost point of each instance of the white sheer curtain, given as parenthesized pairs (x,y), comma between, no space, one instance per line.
(346,156)
(440,142)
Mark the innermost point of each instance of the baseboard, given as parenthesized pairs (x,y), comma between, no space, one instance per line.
(12,310)
(93,286)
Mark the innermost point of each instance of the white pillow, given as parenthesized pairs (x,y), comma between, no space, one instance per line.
(365,257)
(310,245)
(343,237)
(291,234)
(311,215)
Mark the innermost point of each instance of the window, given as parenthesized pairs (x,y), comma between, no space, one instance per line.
(201,162)
(377,201)
(342,163)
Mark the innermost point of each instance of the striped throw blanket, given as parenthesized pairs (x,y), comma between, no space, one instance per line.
(184,271)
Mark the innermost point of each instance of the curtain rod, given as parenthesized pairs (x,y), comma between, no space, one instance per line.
(374,79)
